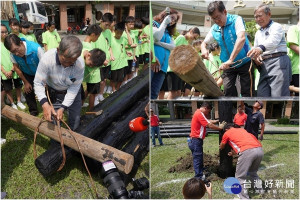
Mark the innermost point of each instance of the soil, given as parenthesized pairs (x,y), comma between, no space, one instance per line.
(210,164)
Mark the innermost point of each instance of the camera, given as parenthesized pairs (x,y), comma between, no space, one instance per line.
(113,181)
(116,186)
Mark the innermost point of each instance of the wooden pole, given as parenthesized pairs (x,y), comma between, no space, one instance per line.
(187,64)
(89,147)
(288,109)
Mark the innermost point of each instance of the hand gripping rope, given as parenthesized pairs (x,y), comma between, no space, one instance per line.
(62,144)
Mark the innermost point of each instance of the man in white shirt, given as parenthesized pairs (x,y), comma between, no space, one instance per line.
(270,51)
(62,71)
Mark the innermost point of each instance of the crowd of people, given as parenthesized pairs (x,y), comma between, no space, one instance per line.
(229,56)
(71,70)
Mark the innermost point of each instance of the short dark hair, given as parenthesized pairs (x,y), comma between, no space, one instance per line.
(212,6)
(13,22)
(94,28)
(206,105)
(107,17)
(11,39)
(25,24)
(195,30)
(120,26)
(129,19)
(213,46)
(97,57)
(138,24)
(4,26)
(51,23)
(145,20)
(193,188)
(30,23)
(231,125)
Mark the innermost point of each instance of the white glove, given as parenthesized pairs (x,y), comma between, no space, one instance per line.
(167,20)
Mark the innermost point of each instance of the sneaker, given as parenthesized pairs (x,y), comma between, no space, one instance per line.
(23,100)
(96,101)
(85,105)
(21,105)
(100,97)
(203,177)
(2,141)
(14,106)
(109,90)
(153,145)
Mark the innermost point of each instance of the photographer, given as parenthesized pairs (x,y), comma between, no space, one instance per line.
(195,188)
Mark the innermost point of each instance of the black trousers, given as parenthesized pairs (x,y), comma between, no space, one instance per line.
(229,79)
(30,97)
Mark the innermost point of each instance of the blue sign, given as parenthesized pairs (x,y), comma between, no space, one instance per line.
(232,186)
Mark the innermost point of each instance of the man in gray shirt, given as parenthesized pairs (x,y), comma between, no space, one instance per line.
(270,52)
(62,71)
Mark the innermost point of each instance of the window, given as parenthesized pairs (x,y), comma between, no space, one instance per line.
(41,9)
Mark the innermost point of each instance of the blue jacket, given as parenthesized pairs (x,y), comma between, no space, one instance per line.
(32,60)
(230,39)
(161,53)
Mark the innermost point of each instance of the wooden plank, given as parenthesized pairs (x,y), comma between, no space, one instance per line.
(187,64)
(89,147)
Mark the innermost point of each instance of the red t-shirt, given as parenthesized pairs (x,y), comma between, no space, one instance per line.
(240,119)
(154,120)
(240,140)
(198,125)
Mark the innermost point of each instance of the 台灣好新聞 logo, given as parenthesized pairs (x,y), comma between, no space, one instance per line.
(232,186)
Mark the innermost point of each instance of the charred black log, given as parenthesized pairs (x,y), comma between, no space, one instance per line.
(113,107)
(225,114)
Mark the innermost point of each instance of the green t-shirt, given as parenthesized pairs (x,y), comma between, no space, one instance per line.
(104,43)
(6,62)
(136,41)
(127,45)
(180,40)
(31,37)
(118,49)
(213,65)
(21,35)
(146,44)
(293,37)
(51,39)
(91,74)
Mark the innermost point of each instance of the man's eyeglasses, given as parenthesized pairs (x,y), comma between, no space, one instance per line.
(4,32)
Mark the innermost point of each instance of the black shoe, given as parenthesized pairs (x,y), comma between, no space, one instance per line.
(34,113)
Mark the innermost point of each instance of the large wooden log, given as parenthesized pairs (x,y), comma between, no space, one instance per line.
(89,147)
(112,110)
(187,64)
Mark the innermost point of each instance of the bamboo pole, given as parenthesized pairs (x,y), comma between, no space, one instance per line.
(187,64)
(89,147)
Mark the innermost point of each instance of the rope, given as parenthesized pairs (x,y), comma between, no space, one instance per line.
(62,145)
(251,81)
(168,134)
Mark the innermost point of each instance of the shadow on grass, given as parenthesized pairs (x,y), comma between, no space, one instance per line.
(15,149)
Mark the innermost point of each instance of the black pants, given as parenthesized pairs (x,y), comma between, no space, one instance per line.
(229,79)
(30,97)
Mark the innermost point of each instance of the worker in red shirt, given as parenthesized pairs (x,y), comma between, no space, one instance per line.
(154,122)
(198,132)
(250,154)
(240,117)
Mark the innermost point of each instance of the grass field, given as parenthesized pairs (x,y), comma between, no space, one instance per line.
(280,162)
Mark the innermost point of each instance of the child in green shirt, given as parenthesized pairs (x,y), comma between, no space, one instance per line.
(25,28)
(145,37)
(130,45)
(120,62)
(104,43)
(51,38)
(138,28)
(92,71)
(8,76)
(14,26)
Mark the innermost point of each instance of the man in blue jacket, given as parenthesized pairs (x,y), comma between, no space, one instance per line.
(25,56)
(229,32)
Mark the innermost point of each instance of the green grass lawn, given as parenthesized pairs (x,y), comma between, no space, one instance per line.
(20,179)
(280,162)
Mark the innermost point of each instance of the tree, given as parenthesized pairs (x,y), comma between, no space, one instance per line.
(251,29)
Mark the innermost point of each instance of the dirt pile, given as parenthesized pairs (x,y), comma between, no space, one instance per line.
(210,164)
